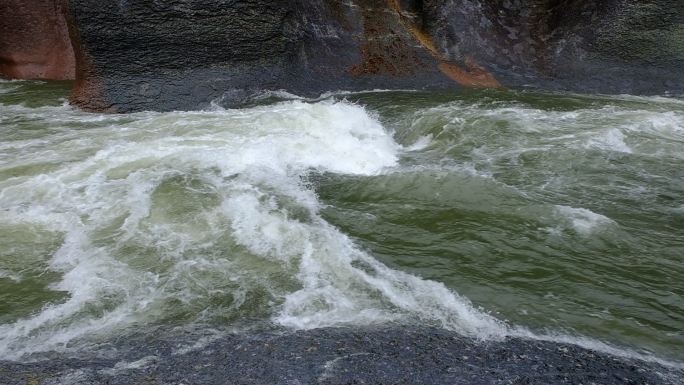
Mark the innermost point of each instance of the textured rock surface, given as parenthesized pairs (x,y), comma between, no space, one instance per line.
(34,40)
(610,46)
(342,356)
(182,54)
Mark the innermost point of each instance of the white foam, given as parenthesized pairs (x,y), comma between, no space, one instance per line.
(654,131)
(421,143)
(11,276)
(610,140)
(253,162)
(338,93)
(20,81)
(593,344)
(583,221)
(342,284)
(6,89)
(281,94)
(123,366)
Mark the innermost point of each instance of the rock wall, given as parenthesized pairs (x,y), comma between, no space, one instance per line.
(182,54)
(137,55)
(608,46)
(34,40)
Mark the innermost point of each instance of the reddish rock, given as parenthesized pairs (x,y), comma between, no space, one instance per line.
(34,40)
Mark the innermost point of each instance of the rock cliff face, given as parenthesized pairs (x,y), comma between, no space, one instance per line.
(182,54)
(611,46)
(34,40)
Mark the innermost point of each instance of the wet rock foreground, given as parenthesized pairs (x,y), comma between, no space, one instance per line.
(343,356)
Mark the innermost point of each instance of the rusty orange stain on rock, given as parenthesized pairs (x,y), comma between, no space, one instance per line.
(384,51)
(474,75)
(425,40)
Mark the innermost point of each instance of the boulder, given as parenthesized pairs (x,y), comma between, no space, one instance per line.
(34,40)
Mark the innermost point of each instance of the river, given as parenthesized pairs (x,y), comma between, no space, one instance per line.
(490,213)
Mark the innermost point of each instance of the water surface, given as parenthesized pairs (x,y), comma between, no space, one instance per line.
(490,213)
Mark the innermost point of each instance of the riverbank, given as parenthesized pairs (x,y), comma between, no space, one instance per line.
(370,355)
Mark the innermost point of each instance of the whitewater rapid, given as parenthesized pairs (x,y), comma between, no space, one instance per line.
(250,228)
(212,219)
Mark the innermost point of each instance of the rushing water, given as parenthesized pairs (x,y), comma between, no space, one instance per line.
(491,213)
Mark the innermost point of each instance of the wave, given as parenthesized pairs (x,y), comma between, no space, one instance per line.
(206,215)
(211,217)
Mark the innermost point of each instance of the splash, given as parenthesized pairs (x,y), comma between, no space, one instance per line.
(208,217)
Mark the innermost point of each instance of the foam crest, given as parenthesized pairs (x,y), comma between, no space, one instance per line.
(10,276)
(583,221)
(516,128)
(197,219)
(593,344)
(611,140)
(342,284)
(202,215)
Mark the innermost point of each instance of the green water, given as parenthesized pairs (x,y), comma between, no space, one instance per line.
(560,214)
(475,212)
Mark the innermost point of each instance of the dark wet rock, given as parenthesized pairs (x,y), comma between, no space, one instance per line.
(136,55)
(183,54)
(341,356)
(609,46)
(34,40)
